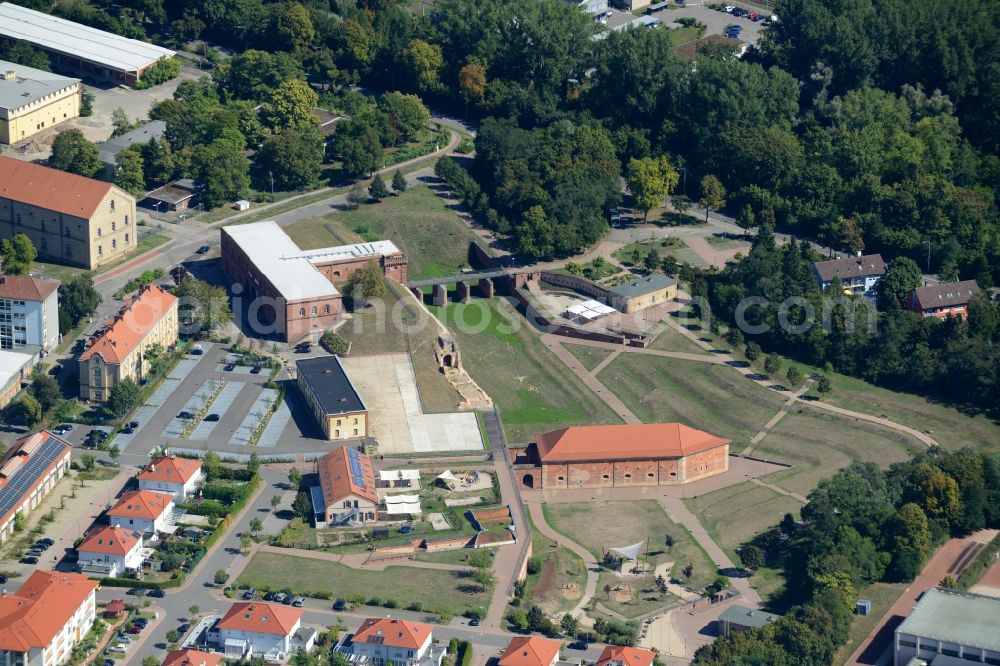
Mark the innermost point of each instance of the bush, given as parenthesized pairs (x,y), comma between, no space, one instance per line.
(335,343)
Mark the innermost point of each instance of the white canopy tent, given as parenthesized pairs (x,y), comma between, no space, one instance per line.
(630,552)
(399,504)
(399,475)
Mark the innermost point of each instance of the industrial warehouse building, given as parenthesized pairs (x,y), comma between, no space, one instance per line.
(331,397)
(289,291)
(29,471)
(100,55)
(32,99)
(70,219)
(607,456)
(949,627)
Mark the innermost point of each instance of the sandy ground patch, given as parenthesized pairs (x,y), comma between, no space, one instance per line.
(465,501)
(663,569)
(389,388)
(438,521)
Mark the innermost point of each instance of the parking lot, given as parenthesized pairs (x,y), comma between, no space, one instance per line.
(716,21)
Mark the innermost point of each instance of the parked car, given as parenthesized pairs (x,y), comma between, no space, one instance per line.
(157,593)
(41,545)
(29,559)
(288,599)
(339,605)
(299,602)
(303,348)
(405,529)
(3,579)
(474,622)
(270,596)
(122,637)
(255,370)
(229,367)
(212,417)
(204,249)
(48,541)
(135,629)
(79,346)
(140,621)
(197,350)
(63,428)
(250,594)
(133,424)
(127,430)
(187,416)
(280,597)
(120,648)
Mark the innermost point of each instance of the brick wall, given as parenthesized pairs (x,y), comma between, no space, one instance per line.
(627,473)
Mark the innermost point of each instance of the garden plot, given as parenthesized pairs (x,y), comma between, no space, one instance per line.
(257,418)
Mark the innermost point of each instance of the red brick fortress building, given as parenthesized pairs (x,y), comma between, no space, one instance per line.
(612,456)
(289,292)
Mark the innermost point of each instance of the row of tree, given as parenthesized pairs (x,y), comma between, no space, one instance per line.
(954,359)
(861,526)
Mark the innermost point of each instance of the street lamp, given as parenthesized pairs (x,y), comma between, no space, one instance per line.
(928,256)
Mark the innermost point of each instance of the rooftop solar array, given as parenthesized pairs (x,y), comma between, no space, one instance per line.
(357,471)
(29,473)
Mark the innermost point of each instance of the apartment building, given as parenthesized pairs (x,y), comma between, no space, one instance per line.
(29,312)
(70,219)
(120,349)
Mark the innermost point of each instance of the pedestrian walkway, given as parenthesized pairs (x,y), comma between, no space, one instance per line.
(679,513)
(589,562)
(773,421)
(593,383)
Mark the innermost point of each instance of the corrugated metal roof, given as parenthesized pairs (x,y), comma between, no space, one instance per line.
(280,259)
(29,85)
(79,41)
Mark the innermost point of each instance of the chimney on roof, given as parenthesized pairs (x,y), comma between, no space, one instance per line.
(8,75)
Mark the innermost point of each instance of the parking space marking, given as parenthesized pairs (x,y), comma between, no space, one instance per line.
(239,369)
(242,435)
(184,367)
(163,392)
(143,415)
(221,405)
(194,404)
(272,433)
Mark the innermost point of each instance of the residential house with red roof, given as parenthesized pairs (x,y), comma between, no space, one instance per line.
(605,456)
(346,492)
(383,640)
(949,299)
(30,470)
(189,657)
(110,550)
(143,510)
(122,347)
(622,655)
(530,651)
(29,313)
(70,219)
(42,622)
(253,628)
(169,474)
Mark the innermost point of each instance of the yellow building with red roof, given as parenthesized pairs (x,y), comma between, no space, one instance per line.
(121,348)
(346,493)
(42,622)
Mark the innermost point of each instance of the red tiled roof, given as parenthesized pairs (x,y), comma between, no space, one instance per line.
(51,189)
(261,618)
(18,455)
(170,469)
(110,540)
(190,657)
(35,614)
(622,442)
(394,633)
(131,325)
(26,288)
(530,651)
(141,504)
(628,656)
(337,482)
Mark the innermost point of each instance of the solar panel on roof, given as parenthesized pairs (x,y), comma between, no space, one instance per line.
(355,468)
(11,494)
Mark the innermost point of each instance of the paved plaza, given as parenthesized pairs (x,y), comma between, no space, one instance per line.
(389,388)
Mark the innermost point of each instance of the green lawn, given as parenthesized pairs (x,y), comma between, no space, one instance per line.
(672,340)
(374,330)
(604,525)
(560,567)
(590,357)
(435,239)
(436,591)
(702,395)
(683,35)
(720,243)
(634,253)
(734,514)
(67,273)
(533,389)
(818,443)
(882,596)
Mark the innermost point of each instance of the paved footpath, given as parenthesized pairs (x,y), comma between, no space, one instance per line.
(589,563)
(614,402)
(877,646)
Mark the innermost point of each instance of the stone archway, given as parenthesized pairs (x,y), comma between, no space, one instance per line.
(528,480)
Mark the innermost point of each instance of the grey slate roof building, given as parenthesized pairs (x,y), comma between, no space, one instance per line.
(951,623)
(26,85)
(848,268)
(644,285)
(109,149)
(741,618)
